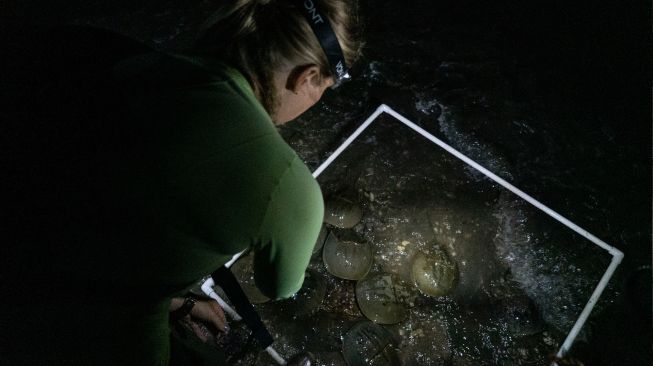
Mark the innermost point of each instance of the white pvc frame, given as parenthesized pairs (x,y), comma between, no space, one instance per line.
(617,255)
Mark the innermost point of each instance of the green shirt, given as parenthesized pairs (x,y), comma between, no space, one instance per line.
(130,178)
(221,179)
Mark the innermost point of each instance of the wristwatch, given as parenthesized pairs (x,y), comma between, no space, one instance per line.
(184,309)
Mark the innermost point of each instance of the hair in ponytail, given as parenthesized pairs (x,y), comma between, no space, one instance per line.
(258,37)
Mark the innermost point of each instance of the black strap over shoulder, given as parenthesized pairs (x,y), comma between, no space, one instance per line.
(225,279)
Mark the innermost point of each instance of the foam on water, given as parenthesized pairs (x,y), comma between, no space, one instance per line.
(474,149)
(546,276)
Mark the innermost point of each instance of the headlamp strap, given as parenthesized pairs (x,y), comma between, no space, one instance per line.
(326,37)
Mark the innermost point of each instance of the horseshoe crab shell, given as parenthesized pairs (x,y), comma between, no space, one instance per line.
(367,343)
(347,259)
(342,213)
(384,298)
(434,274)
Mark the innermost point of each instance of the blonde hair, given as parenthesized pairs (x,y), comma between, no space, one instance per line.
(259,37)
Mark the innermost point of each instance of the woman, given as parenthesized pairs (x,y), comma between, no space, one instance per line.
(134,173)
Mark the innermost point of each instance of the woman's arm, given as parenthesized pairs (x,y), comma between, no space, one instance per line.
(289,231)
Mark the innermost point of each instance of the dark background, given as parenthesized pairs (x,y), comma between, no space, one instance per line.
(586,64)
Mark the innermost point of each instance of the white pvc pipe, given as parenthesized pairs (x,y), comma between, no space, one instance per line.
(348,141)
(617,255)
(207,288)
(234,259)
(277,358)
(590,304)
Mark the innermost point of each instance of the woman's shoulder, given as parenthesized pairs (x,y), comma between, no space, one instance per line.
(189,88)
(159,71)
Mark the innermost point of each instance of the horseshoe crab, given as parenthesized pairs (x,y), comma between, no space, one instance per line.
(347,259)
(367,343)
(342,213)
(434,275)
(384,298)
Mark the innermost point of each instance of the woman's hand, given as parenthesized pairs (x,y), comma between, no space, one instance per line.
(204,310)
(210,312)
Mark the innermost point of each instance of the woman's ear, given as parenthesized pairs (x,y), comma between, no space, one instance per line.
(306,79)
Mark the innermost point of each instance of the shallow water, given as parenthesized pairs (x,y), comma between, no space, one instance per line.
(524,93)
